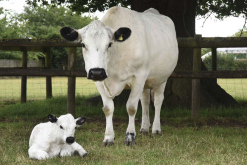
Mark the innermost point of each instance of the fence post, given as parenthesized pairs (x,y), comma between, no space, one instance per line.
(48,78)
(24,78)
(71,82)
(196,82)
(214,61)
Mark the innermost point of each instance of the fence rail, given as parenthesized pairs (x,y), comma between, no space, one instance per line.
(44,45)
(81,73)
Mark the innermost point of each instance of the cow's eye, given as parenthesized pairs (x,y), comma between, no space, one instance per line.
(61,127)
(109,45)
(75,127)
(83,45)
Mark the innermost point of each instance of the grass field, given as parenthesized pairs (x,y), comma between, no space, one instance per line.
(219,137)
(10,89)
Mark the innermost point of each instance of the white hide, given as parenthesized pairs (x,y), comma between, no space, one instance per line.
(144,61)
(48,140)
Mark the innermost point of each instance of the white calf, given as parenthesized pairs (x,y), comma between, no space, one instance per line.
(55,138)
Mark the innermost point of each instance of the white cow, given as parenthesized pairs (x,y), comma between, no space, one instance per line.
(55,138)
(128,49)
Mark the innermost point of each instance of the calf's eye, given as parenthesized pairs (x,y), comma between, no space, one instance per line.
(61,127)
(75,127)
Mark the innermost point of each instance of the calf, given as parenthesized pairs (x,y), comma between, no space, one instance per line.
(55,138)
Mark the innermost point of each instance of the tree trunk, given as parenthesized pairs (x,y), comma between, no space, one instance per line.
(178,91)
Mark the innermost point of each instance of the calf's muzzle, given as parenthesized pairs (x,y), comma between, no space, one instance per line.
(70,140)
(97,74)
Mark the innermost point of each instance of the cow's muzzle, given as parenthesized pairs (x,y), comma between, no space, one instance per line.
(97,74)
(70,140)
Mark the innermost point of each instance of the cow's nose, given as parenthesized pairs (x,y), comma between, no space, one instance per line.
(70,140)
(97,74)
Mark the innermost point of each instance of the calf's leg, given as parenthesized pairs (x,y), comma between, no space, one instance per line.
(35,153)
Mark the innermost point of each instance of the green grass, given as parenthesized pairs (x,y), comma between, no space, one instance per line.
(10,89)
(235,87)
(218,137)
(208,145)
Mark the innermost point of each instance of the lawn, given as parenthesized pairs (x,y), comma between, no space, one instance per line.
(218,137)
(10,89)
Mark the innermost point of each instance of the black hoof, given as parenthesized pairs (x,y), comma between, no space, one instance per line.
(143,131)
(86,154)
(156,132)
(130,139)
(107,143)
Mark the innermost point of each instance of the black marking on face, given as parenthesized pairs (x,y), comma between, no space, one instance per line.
(83,45)
(109,44)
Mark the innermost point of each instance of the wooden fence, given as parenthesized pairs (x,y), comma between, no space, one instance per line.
(43,45)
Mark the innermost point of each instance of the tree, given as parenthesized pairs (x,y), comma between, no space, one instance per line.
(183,13)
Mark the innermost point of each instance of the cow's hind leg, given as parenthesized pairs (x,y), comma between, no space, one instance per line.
(108,108)
(145,101)
(158,100)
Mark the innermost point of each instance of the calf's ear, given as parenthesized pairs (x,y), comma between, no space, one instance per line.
(122,34)
(69,33)
(52,118)
(80,121)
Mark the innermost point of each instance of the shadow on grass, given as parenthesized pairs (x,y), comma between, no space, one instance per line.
(177,117)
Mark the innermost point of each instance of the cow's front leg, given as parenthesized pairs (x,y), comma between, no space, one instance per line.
(108,109)
(135,94)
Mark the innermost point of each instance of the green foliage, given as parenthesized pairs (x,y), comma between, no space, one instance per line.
(205,51)
(220,8)
(239,34)
(227,62)
(83,6)
(40,22)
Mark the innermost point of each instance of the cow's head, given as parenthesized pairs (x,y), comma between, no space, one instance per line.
(96,40)
(64,127)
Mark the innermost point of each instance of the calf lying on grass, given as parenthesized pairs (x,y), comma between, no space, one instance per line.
(55,138)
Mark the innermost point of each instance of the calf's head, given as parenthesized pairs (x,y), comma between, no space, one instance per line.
(64,127)
(96,40)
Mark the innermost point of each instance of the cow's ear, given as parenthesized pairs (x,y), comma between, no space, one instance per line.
(52,118)
(80,121)
(69,33)
(122,34)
